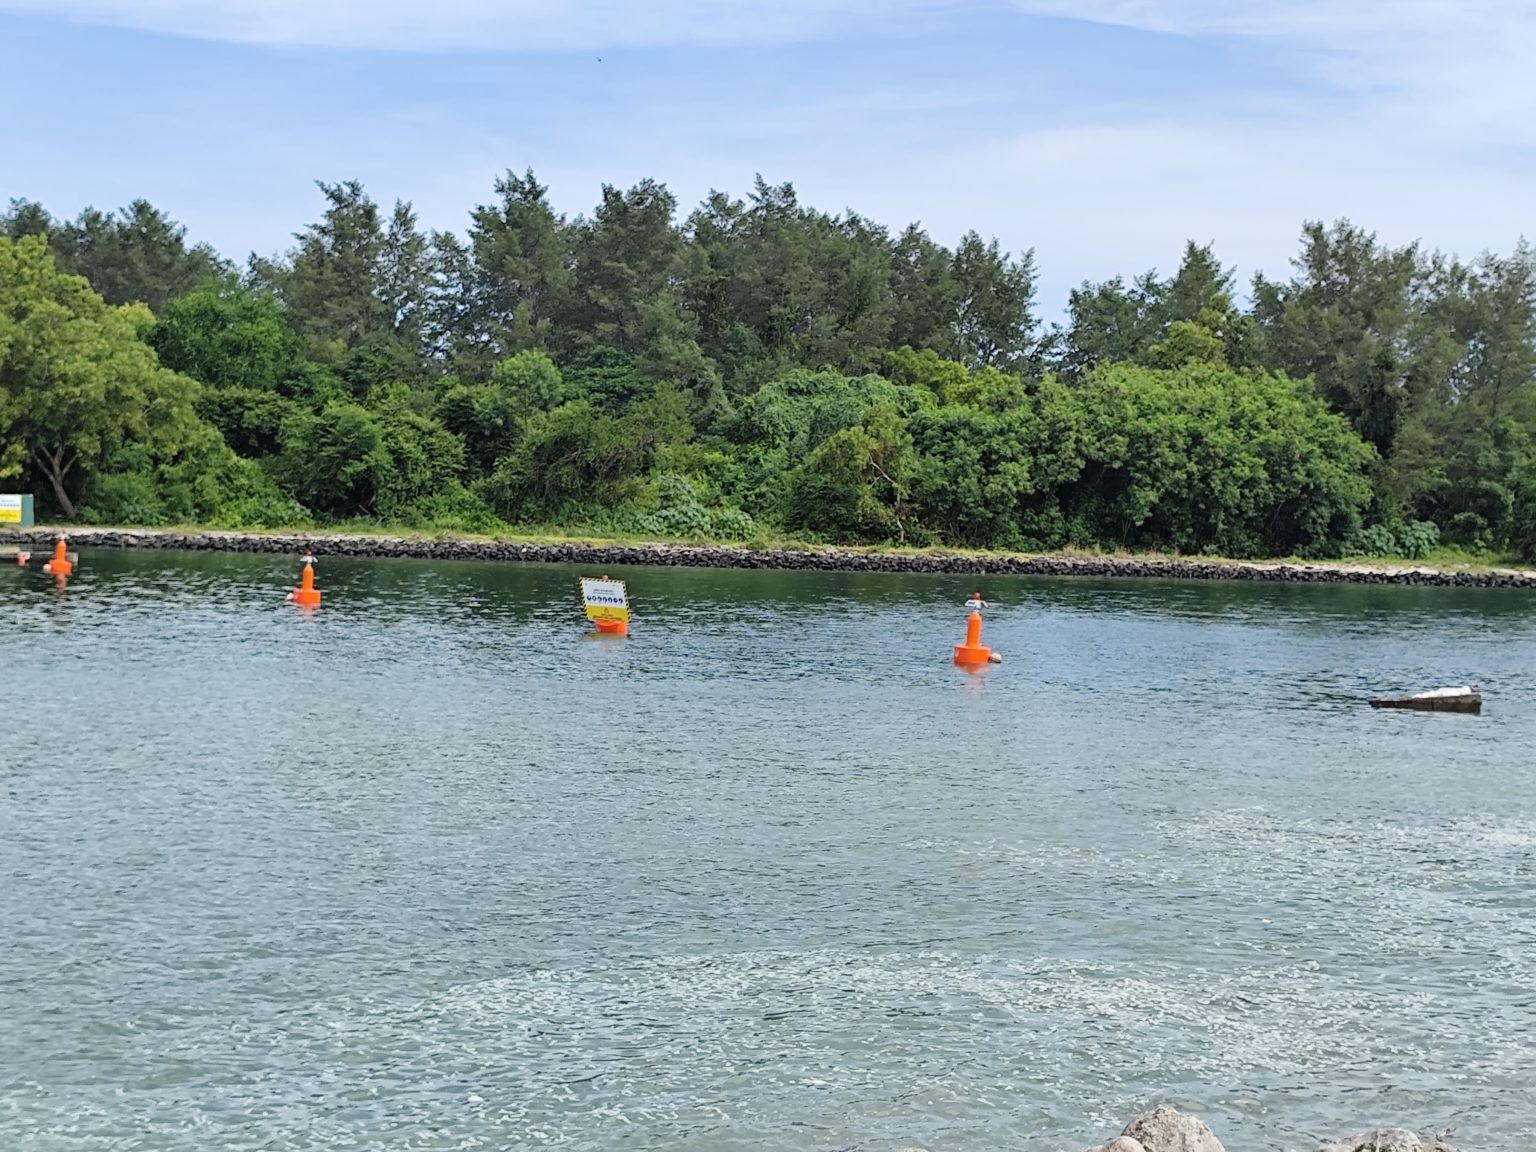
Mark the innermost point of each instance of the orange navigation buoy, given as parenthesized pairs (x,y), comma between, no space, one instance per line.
(973,651)
(59,565)
(306,595)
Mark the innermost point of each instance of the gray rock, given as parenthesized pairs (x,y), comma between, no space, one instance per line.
(1166,1129)
(1121,1144)
(1386,1140)
(713,556)
(1376,1140)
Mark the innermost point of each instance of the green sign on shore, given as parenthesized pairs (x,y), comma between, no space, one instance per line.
(16,510)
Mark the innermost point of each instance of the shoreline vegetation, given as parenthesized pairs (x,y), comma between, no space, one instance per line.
(757,369)
(618,552)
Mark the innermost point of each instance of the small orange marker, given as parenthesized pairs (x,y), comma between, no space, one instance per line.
(973,651)
(306,595)
(22,558)
(59,565)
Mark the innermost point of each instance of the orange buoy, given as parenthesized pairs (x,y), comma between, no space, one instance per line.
(973,651)
(59,565)
(306,595)
(22,558)
(612,627)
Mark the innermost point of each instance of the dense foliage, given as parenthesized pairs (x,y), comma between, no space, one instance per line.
(758,367)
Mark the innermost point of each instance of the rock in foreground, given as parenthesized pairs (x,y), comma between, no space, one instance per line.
(1120,1144)
(1166,1129)
(1386,1140)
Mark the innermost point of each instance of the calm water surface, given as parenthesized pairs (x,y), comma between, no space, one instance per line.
(429,870)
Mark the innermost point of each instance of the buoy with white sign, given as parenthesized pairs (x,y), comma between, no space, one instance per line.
(607,605)
(973,651)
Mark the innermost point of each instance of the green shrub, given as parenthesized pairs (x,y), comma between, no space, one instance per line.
(1521,534)
(679,512)
(1411,541)
(274,511)
(452,509)
(1377,541)
(1416,539)
(733,524)
(127,498)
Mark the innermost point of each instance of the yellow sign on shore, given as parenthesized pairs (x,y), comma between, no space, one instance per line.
(605,599)
(10,509)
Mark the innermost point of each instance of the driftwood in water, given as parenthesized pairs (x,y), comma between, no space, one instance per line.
(1440,700)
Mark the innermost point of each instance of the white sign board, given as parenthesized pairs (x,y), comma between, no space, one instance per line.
(605,599)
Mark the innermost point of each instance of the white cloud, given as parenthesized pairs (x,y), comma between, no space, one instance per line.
(508,25)
(1359,29)
(1430,143)
(1453,64)
(1300,19)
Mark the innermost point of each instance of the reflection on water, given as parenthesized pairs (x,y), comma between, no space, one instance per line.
(429,868)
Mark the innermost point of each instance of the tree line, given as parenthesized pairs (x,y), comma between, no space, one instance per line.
(758,367)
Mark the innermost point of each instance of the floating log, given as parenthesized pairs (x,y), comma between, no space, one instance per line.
(1462,699)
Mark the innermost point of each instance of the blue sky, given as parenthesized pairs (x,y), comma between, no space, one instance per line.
(1100,133)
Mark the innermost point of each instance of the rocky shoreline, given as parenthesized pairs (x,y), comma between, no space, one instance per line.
(1166,1129)
(724,556)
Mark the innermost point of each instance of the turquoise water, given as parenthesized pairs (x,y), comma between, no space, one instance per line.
(428,869)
